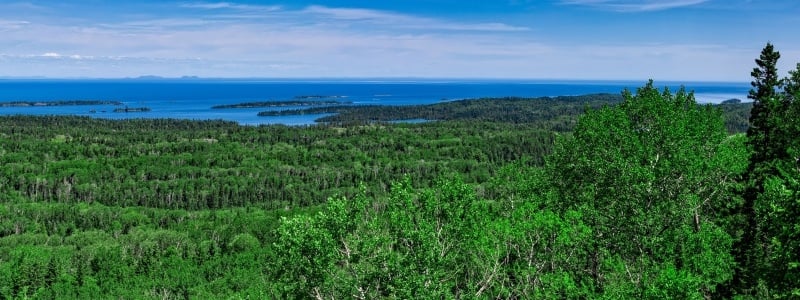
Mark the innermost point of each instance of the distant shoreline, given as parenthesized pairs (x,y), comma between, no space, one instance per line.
(132,109)
(57,103)
(261,104)
(194,99)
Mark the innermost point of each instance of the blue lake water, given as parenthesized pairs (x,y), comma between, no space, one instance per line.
(193,99)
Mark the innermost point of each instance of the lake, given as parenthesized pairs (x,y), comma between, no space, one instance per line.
(193,98)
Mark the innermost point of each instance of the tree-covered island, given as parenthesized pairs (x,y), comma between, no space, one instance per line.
(58,103)
(280,104)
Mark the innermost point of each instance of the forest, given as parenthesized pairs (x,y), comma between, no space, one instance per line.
(642,195)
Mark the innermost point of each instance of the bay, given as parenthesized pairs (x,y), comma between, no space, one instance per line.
(193,98)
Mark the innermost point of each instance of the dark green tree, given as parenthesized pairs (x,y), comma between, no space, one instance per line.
(778,206)
(791,84)
(764,254)
(760,135)
(765,95)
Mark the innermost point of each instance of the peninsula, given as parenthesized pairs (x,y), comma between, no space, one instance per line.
(58,103)
(279,104)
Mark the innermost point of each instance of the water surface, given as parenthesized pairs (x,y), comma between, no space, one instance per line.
(193,99)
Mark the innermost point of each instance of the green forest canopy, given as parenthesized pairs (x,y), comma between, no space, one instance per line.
(651,196)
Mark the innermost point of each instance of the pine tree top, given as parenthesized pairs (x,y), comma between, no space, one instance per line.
(765,75)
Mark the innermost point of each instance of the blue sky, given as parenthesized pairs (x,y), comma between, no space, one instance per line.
(683,40)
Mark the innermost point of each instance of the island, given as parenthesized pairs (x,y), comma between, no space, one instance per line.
(132,109)
(58,103)
(279,104)
(516,110)
(732,101)
(318,97)
(502,109)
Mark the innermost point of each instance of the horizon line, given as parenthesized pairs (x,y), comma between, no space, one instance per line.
(364,79)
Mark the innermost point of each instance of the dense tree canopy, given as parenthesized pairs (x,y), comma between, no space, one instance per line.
(634,204)
(646,195)
(651,177)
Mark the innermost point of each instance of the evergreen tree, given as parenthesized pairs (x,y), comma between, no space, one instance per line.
(791,122)
(764,95)
(780,201)
(765,98)
(770,182)
(765,83)
(791,84)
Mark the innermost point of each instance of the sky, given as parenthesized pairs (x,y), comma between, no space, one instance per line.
(677,40)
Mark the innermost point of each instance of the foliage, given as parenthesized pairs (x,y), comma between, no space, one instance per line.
(632,205)
(767,251)
(201,165)
(639,198)
(57,250)
(649,177)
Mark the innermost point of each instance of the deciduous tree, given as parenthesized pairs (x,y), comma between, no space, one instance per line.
(650,180)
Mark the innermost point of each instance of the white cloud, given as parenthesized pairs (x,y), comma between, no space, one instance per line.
(319,41)
(12,24)
(228,5)
(403,21)
(208,5)
(47,55)
(634,5)
(353,13)
(157,25)
(483,27)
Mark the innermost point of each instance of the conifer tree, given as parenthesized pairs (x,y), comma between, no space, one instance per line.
(765,99)
(791,84)
(781,198)
(764,95)
(770,182)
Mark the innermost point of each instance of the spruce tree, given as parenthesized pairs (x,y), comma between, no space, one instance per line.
(790,121)
(767,251)
(765,99)
(762,120)
(781,195)
(791,84)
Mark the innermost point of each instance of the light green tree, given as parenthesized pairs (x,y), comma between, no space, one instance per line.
(650,177)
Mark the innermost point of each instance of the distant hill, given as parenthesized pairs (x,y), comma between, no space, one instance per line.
(732,101)
(554,113)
